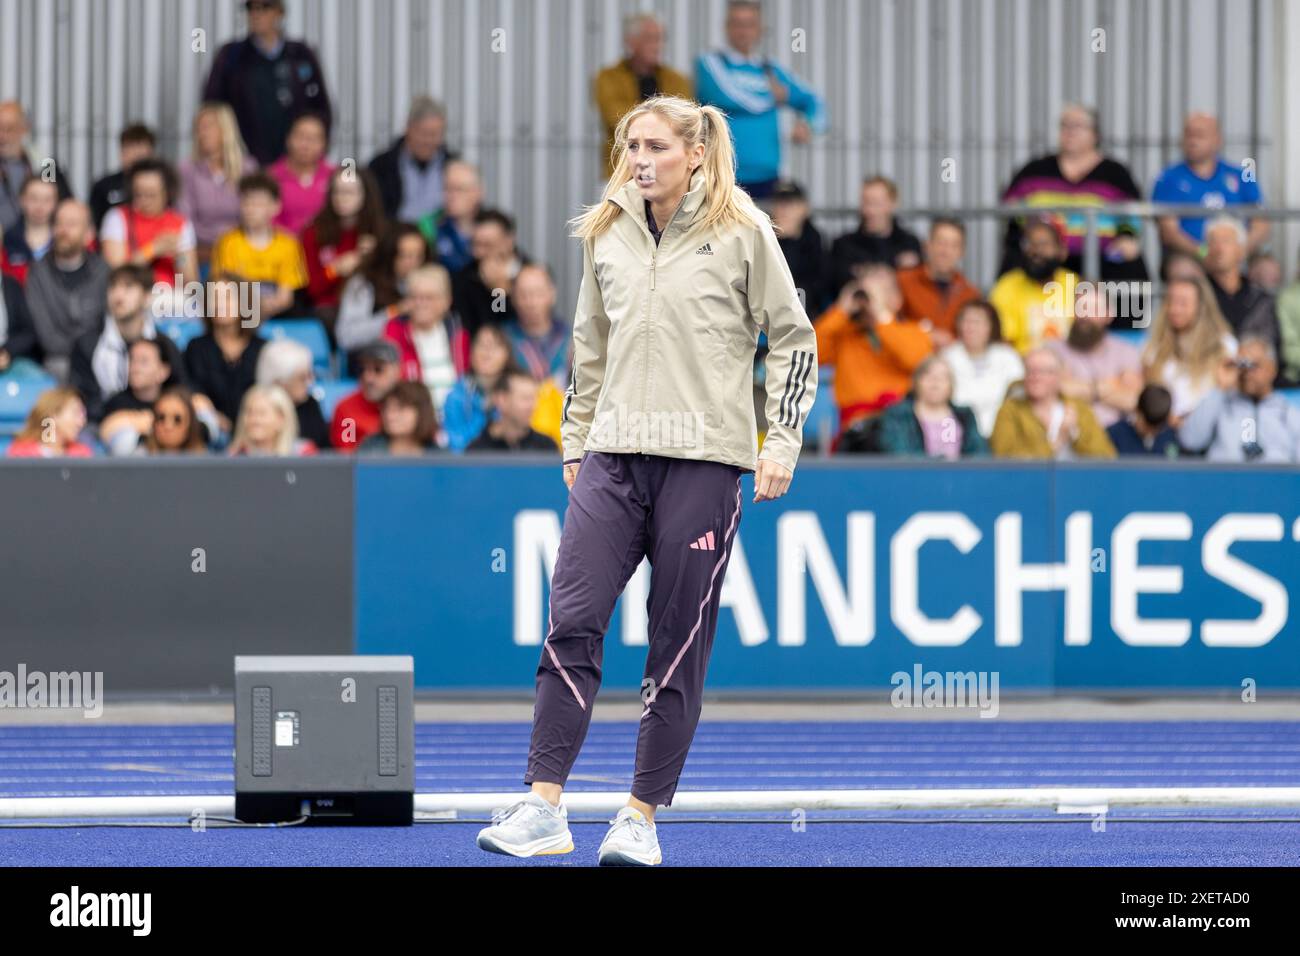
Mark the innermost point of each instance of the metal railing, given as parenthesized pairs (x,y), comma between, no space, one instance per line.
(1090,213)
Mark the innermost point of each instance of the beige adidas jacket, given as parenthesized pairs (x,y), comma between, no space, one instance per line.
(664,340)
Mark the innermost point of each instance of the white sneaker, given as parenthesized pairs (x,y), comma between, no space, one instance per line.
(632,840)
(531,827)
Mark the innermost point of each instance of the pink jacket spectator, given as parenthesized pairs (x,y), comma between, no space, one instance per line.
(299,200)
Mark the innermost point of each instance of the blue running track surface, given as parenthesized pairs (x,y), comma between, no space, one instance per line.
(94,759)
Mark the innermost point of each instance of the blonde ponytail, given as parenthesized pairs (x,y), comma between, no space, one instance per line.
(725,204)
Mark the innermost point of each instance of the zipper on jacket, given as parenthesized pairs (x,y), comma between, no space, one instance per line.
(654,263)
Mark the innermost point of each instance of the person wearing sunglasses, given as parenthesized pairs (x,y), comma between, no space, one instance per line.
(268,81)
(131,416)
(176,428)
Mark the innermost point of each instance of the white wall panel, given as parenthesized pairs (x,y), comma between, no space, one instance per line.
(908,83)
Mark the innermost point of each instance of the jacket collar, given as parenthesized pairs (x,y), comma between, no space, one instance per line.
(629,199)
(625,64)
(755,58)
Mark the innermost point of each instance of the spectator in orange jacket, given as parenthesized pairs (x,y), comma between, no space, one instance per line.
(935,292)
(874,354)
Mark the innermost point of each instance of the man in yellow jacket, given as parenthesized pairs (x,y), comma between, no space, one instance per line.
(636,77)
(1037,421)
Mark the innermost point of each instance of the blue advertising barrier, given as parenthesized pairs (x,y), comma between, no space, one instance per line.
(1063,577)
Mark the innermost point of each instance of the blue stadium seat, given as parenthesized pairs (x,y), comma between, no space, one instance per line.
(1134,337)
(180,331)
(16,399)
(5,442)
(311,333)
(328,394)
(824,414)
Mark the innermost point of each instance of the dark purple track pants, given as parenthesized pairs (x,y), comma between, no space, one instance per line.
(682,515)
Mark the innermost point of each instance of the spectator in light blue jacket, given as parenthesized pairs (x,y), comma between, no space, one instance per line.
(750,88)
(468,408)
(1249,423)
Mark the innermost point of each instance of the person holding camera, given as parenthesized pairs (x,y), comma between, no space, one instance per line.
(1247,422)
(874,353)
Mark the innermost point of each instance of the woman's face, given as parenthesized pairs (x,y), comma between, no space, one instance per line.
(207,133)
(489,355)
(660,163)
(1076,132)
(149,194)
(934,387)
(974,330)
(399,419)
(171,423)
(70,420)
(347,196)
(306,142)
(409,257)
(262,421)
(1181,303)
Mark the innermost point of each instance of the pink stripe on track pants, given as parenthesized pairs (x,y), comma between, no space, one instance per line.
(682,514)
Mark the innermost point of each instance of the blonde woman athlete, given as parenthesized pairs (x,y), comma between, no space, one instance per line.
(681,272)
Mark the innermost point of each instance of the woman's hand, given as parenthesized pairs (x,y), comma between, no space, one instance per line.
(571,473)
(1226,375)
(771,480)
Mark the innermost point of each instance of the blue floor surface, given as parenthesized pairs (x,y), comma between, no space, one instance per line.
(196,759)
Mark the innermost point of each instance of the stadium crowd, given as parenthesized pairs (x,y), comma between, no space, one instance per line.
(451,334)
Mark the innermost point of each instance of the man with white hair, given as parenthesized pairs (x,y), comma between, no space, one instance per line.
(410,171)
(638,76)
(1248,308)
(1205,178)
(1250,422)
(19,160)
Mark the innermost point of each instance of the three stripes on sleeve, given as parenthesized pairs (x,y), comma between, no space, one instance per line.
(796,386)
